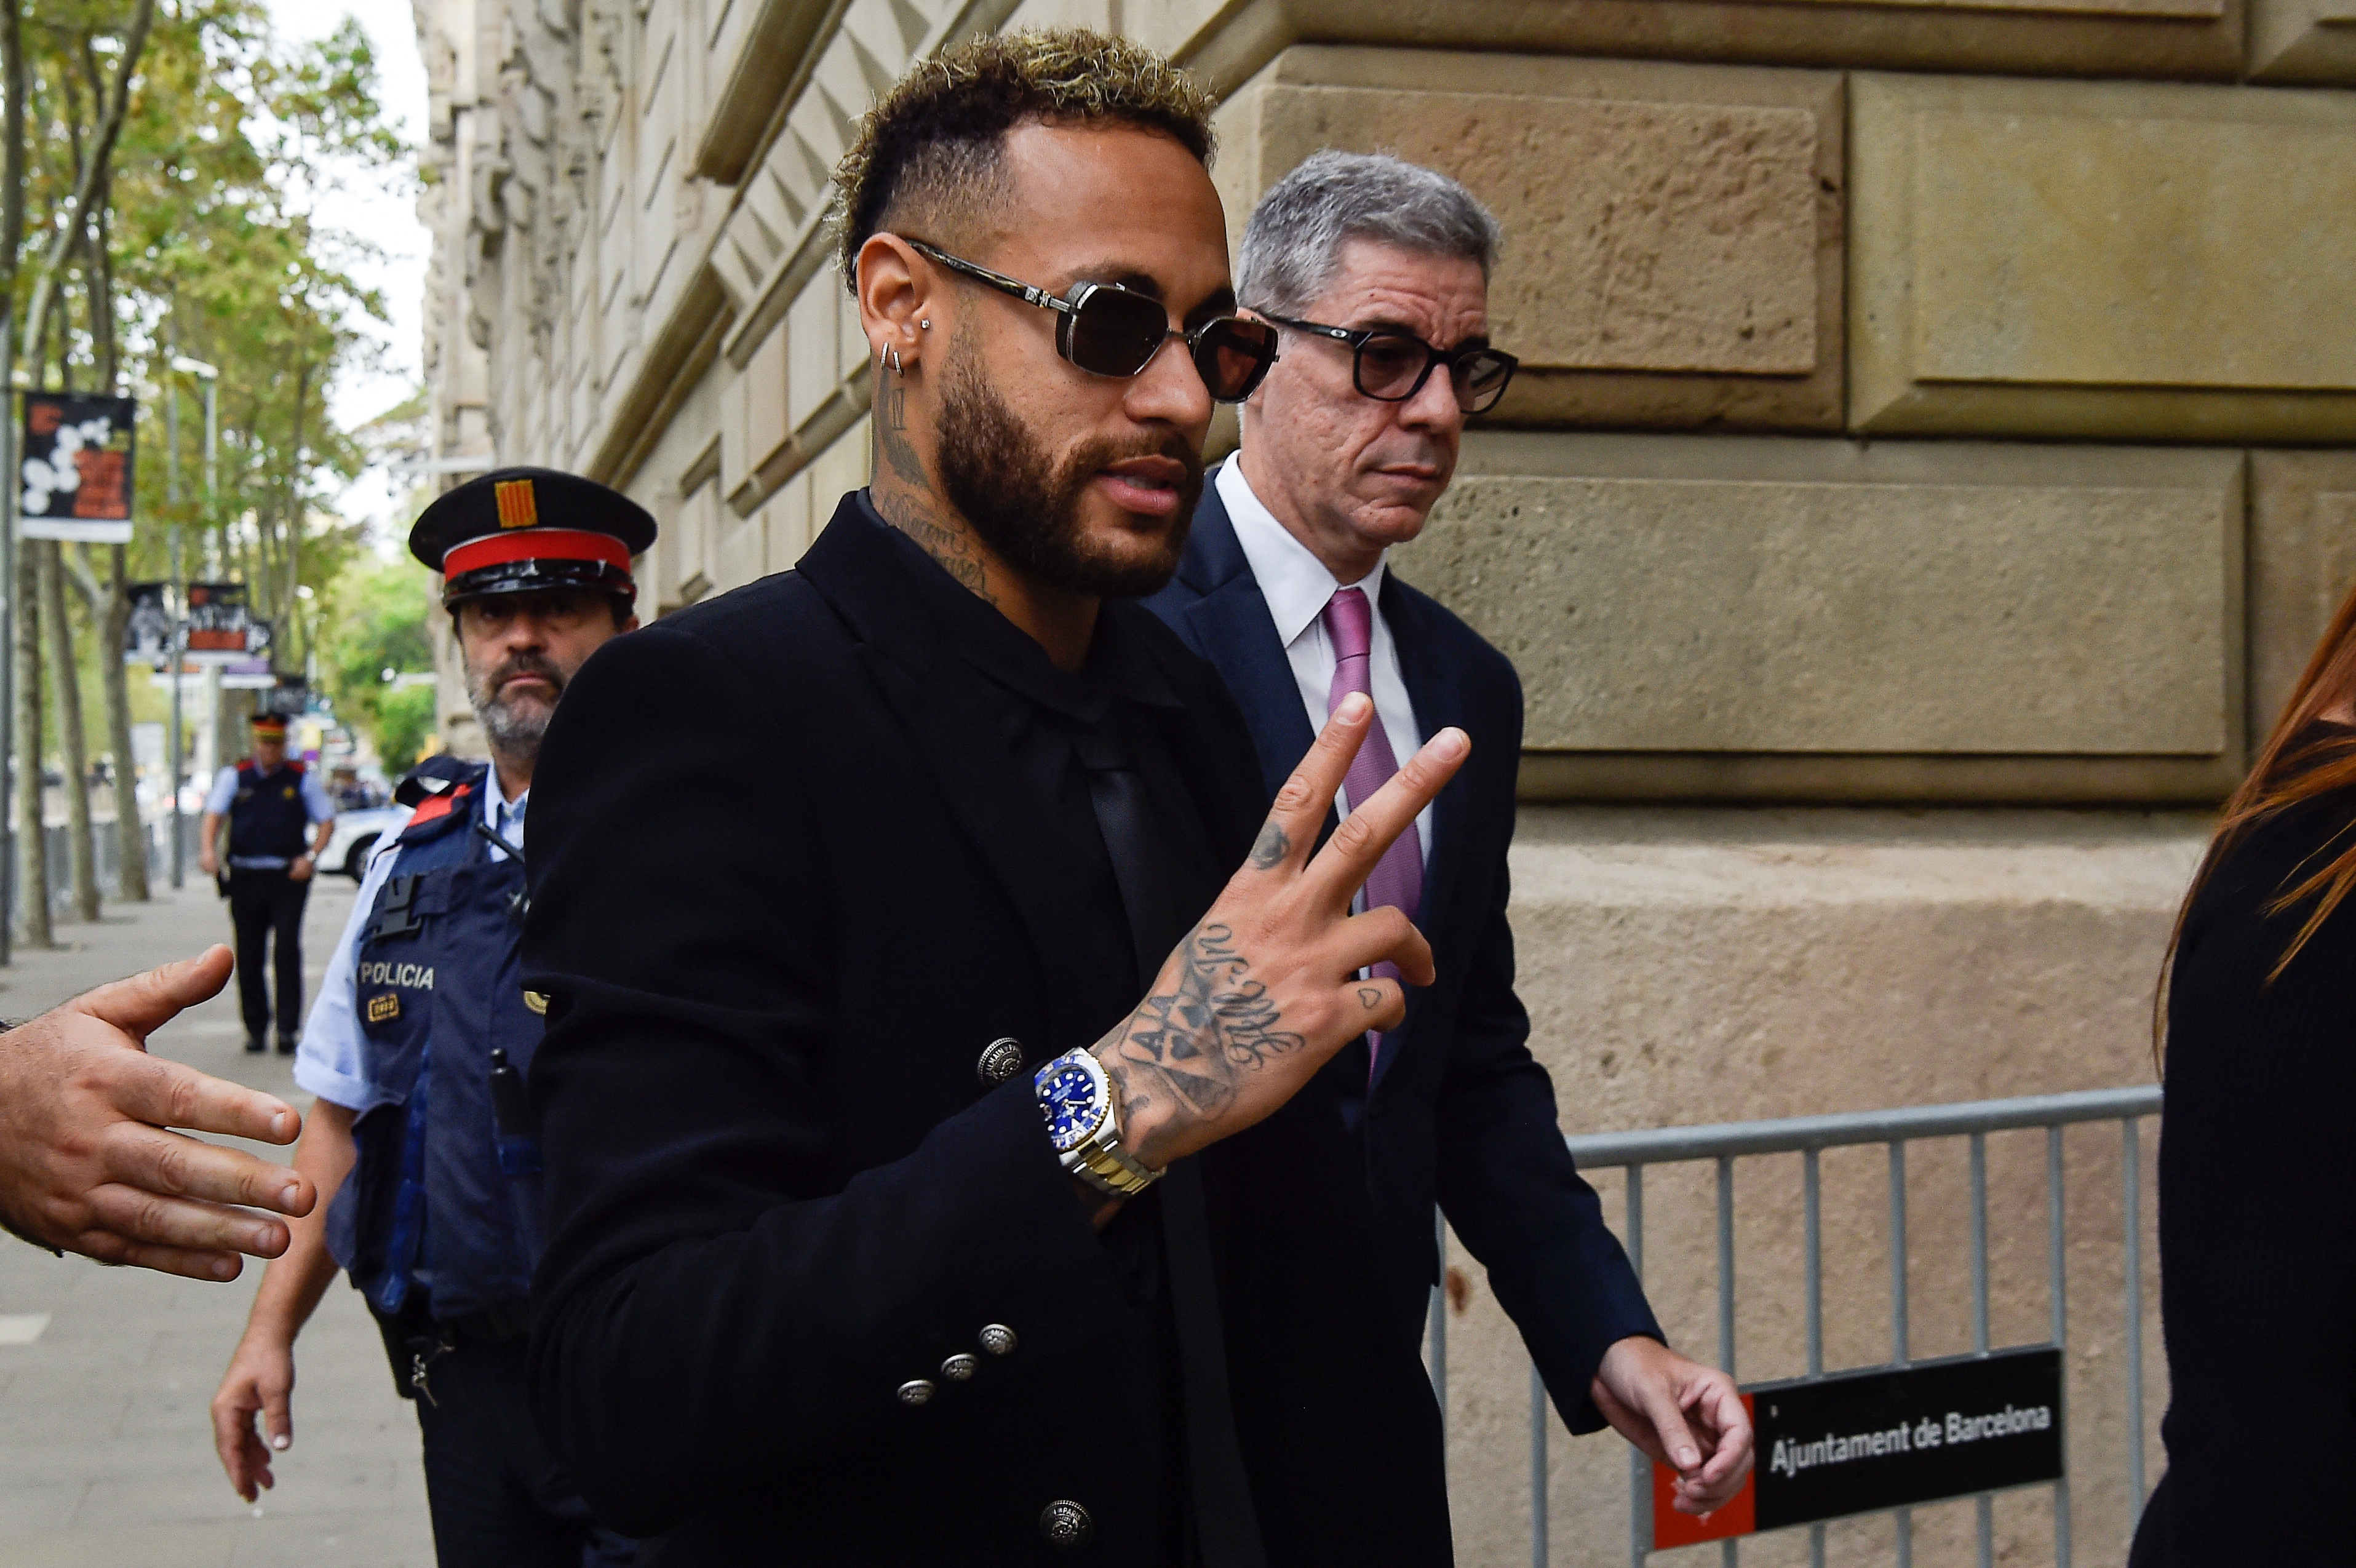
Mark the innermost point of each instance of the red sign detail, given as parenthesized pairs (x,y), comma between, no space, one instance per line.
(1739,1517)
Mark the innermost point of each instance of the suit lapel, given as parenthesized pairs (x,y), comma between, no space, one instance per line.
(938,699)
(1229,624)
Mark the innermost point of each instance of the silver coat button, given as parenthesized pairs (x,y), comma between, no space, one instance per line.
(1001,1060)
(998,1340)
(916,1391)
(1066,1524)
(958,1367)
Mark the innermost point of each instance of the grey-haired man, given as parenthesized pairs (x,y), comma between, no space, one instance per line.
(1378,272)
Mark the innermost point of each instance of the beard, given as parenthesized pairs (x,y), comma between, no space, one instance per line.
(996,473)
(515,724)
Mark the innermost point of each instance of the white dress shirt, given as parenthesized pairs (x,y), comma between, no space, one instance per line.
(327,1061)
(1296,587)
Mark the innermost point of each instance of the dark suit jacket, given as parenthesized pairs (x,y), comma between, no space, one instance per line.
(1458,1111)
(785,892)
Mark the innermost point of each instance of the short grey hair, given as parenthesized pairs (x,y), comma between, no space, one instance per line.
(1292,246)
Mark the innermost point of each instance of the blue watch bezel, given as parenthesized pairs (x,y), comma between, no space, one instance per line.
(1075,1099)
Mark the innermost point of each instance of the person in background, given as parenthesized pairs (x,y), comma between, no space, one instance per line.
(2257,1213)
(279,820)
(349,793)
(1377,274)
(89,1163)
(416,1050)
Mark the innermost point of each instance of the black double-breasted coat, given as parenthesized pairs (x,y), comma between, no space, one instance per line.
(785,891)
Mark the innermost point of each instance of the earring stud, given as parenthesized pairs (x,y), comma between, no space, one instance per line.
(924,326)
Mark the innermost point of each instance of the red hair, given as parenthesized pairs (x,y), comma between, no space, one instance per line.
(2291,767)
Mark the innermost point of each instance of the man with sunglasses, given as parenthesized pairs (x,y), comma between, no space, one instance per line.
(888,1225)
(1377,272)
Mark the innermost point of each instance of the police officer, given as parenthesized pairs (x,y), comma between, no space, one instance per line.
(279,820)
(417,1047)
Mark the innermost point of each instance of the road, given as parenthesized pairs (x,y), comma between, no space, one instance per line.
(106,1454)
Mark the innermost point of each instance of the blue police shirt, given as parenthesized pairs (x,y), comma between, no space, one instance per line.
(327,1062)
(315,805)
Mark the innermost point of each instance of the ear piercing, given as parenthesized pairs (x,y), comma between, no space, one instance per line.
(924,326)
(894,355)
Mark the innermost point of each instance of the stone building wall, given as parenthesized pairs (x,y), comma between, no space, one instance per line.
(1934,456)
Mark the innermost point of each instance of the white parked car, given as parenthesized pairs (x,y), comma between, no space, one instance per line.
(356,835)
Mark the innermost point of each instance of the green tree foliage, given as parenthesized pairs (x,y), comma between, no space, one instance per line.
(205,245)
(200,237)
(405,722)
(375,626)
(222,260)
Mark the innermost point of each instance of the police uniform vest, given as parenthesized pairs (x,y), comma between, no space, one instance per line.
(441,1206)
(267,817)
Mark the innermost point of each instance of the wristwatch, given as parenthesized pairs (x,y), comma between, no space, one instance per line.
(1083,1122)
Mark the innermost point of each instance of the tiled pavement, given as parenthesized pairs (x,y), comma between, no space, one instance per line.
(106,1454)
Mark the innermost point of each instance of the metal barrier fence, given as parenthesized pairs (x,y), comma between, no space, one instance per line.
(1808,1136)
(58,847)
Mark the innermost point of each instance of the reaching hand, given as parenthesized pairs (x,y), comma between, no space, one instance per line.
(1682,1414)
(1266,988)
(86,1162)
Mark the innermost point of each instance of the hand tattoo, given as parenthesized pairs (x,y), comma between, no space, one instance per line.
(1270,850)
(1196,1042)
(1370,997)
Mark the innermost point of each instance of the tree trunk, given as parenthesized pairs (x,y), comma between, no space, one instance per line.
(32,852)
(111,613)
(81,843)
(11,243)
(294,524)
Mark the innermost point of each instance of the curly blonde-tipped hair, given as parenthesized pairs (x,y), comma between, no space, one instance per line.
(934,140)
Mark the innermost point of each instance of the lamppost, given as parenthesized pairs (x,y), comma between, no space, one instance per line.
(210,377)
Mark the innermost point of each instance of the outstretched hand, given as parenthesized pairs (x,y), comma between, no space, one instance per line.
(1267,988)
(86,1162)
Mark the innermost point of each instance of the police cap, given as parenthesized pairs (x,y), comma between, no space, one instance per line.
(269,726)
(516,530)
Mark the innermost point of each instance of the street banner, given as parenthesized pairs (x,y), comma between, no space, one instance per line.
(76,472)
(1864,1442)
(147,638)
(289,697)
(221,625)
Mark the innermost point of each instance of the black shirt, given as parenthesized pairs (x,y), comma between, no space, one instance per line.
(2257,1210)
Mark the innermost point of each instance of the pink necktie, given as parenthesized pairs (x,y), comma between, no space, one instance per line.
(1397,877)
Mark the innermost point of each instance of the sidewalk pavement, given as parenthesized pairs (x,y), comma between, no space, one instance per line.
(106,1452)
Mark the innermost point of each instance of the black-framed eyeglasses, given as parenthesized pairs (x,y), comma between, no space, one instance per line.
(1109,330)
(1391,366)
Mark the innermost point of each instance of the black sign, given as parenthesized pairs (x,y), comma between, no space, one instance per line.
(76,470)
(1863,1442)
(147,635)
(289,699)
(220,624)
(1882,1440)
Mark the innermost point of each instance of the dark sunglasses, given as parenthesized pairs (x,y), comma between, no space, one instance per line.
(1391,366)
(1109,331)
